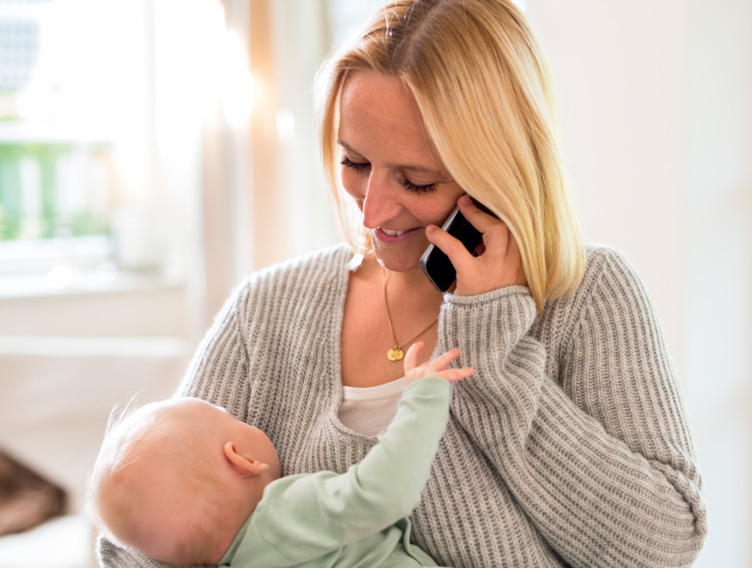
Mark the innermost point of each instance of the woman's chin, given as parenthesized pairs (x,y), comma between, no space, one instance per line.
(401,255)
(398,263)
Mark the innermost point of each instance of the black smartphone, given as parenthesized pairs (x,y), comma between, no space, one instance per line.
(435,264)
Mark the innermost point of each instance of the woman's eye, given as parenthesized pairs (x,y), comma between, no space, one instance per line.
(362,167)
(359,167)
(417,188)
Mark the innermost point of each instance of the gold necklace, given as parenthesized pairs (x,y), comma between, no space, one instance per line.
(396,353)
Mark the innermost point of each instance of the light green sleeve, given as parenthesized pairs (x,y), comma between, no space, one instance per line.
(323,512)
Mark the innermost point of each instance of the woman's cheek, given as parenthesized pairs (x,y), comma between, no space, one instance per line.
(349,182)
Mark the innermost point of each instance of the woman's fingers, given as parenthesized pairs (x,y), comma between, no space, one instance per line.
(480,219)
(498,262)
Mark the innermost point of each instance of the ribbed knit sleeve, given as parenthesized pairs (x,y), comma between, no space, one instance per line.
(590,436)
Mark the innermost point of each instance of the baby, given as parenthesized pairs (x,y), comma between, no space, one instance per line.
(186,484)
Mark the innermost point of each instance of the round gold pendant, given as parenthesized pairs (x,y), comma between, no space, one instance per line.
(394,354)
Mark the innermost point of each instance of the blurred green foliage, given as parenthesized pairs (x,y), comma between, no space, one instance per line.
(35,211)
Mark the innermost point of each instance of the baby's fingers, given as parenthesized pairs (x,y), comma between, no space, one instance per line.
(453,375)
(443,360)
(437,367)
(411,357)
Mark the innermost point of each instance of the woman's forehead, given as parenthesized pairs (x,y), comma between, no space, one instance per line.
(378,114)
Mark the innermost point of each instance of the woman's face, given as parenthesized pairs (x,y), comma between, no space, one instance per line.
(391,168)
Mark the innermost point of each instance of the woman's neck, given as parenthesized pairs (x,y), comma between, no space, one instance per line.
(412,284)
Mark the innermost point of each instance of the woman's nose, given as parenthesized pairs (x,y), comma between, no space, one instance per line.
(380,203)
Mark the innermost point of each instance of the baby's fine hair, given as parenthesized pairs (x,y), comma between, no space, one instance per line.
(137,442)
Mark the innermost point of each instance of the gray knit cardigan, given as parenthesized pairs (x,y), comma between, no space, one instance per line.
(569,446)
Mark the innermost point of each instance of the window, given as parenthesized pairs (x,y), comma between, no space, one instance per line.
(74,131)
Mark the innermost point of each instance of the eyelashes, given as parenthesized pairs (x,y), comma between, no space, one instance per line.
(416,188)
(362,167)
(358,167)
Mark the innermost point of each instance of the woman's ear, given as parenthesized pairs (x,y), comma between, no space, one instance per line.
(244,465)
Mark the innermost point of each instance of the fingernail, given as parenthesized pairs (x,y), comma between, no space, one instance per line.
(465,200)
(431,229)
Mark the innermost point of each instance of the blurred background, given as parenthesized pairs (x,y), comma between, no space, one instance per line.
(152,152)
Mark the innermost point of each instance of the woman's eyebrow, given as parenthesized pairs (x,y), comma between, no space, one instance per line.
(346,146)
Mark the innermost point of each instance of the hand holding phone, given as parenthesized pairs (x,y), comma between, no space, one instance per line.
(435,264)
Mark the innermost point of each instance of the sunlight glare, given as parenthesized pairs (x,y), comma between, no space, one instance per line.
(237,82)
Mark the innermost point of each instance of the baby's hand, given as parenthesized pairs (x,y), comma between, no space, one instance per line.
(433,368)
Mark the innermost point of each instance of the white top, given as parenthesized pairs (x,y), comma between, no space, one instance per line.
(369,410)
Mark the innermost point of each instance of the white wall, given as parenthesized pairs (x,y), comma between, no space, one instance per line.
(656,101)
(719,270)
(620,73)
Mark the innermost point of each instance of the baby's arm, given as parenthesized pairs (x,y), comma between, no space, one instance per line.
(332,510)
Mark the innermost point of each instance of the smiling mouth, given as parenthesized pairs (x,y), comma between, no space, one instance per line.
(392,233)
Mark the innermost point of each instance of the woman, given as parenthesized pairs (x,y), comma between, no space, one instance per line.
(570,445)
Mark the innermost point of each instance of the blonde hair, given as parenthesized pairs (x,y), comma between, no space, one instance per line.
(140,442)
(484,92)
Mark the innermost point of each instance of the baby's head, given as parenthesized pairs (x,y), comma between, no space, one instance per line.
(177,479)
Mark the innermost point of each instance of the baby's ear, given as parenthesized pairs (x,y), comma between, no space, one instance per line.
(246,466)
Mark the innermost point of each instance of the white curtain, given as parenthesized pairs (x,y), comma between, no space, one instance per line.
(262,198)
